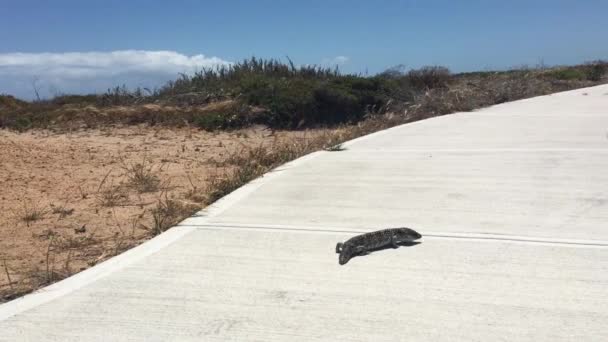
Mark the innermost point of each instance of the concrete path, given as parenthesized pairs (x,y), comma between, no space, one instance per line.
(512,202)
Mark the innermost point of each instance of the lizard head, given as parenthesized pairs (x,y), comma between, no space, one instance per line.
(346,253)
(408,234)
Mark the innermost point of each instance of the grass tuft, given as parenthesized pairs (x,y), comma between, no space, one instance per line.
(31,212)
(113,196)
(142,176)
(168,212)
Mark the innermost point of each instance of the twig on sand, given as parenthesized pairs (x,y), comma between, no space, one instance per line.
(8,275)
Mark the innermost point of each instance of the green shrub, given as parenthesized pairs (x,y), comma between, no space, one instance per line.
(257,90)
(429,77)
(349,98)
(335,105)
(211,121)
(282,95)
(292,103)
(292,96)
(22,123)
(232,118)
(568,74)
(596,70)
(591,71)
(11,102)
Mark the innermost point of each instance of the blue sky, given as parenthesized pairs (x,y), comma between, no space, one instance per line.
(358,35)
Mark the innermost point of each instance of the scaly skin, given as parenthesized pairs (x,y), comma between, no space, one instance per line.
(362,244)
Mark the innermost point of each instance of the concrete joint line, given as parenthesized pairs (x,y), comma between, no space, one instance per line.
(506,238)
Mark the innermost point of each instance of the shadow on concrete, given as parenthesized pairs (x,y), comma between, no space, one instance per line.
(370,251)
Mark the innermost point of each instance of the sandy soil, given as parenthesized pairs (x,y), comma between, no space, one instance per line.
(68,200)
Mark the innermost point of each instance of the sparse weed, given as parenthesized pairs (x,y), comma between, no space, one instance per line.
(31,212)
(113,196)
(223,184)
(194,193)
(142,176)
(82,191)
(168,212)
(8,274)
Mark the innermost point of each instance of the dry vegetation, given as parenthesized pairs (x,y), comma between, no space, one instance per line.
(71,200)
(87,177)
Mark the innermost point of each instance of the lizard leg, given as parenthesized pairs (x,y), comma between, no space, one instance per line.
(361,250)
(395,241)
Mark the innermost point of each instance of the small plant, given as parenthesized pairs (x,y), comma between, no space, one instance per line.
(225,184)
(82,191)
(168,212)
(113,196)
(194,193)
(8,274)
(31,212)
(50,273)
(142,176)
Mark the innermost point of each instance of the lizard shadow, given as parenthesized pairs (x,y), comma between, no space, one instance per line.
(400,244)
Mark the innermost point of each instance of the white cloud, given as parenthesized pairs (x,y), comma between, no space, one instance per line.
(91,64)
(338,60)
(96,71)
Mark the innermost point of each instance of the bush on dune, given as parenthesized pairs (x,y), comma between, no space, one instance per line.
(282,95)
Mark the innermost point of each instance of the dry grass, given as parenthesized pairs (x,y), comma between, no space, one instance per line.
(52,268)
(112,196)
(67,253)
(93,180)
(99,219)
(168,212)
(142,176)
(248,164)
(31,212)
